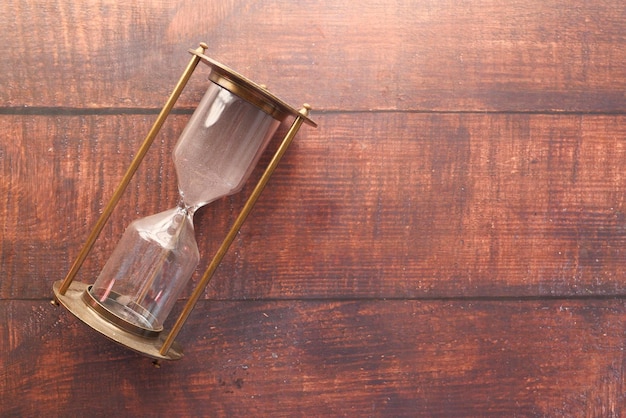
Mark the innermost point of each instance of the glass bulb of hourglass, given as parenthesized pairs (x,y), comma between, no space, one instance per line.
(208,166)
(157,255)
(149,268)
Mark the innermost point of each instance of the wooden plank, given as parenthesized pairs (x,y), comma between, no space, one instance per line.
(442,205)
(57,174)
(388,206)
(324,358)
(419,55)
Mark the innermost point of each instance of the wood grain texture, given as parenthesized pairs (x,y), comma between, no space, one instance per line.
(295,358)
(446,205)
(449,241)
(407,55)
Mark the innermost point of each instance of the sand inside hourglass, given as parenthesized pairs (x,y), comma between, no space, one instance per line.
(202,180)
(219,146)
(129,311)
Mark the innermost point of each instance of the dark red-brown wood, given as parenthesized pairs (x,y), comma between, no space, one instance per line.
(425,54)
(448,242)
(392,206)
(321,358)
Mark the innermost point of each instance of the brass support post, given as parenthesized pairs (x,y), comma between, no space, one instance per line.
(232,233)
(106,213)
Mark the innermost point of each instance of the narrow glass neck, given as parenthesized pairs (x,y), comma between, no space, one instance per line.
(186,210)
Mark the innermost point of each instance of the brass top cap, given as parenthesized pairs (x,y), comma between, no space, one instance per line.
(250,91)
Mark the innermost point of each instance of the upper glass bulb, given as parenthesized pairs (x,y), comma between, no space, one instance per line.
(220,146)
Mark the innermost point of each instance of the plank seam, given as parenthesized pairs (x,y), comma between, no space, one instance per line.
(106,111)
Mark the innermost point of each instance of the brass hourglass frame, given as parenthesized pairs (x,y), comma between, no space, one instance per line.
(75,296)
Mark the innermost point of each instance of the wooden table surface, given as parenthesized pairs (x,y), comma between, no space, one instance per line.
(450,241)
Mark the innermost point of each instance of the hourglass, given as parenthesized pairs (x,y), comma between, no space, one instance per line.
(156,256)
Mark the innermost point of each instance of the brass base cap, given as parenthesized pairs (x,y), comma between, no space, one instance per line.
(73,301)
